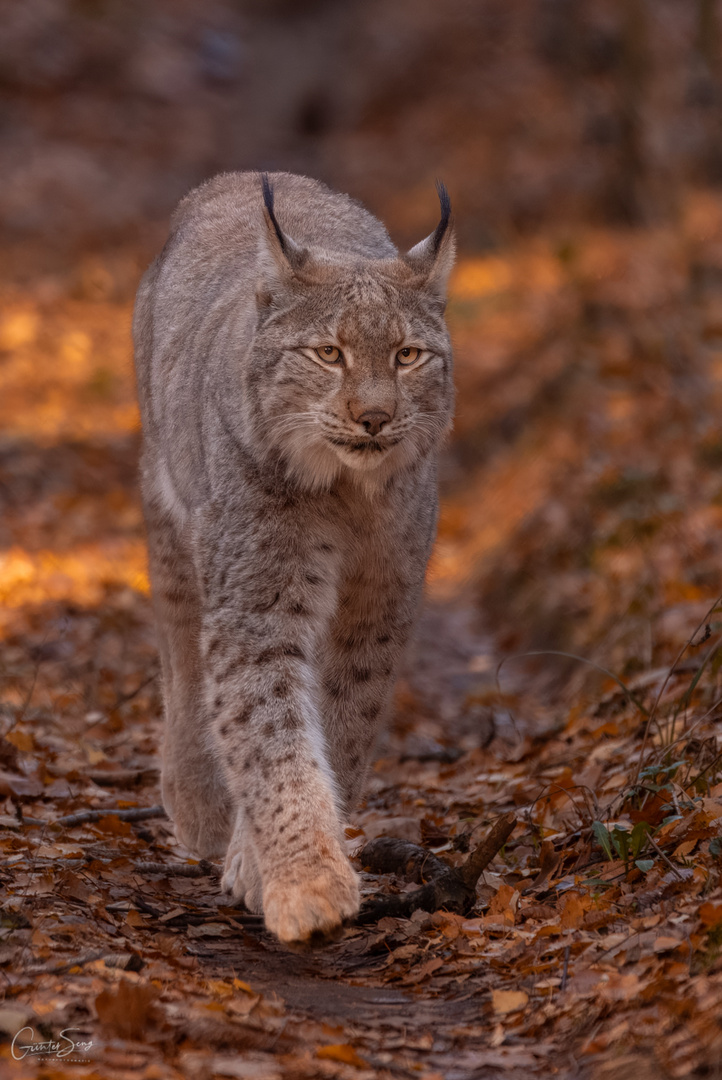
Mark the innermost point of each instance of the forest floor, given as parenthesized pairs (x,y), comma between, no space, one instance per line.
(582,515)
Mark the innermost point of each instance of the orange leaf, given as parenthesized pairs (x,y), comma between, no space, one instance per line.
(343,1052)
(666,944)
(127,1010)
(711,914)
(508,1001)
(134,918)
(685,848)
(573,910)
(21,740)
(505,903)
(112,824)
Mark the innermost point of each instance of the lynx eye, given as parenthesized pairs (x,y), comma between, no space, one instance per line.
(406,357)
(329,354)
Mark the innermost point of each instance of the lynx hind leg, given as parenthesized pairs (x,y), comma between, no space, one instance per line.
(241,875)
(197,801)
(194,792)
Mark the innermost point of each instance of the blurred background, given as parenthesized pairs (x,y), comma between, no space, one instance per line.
(535,112)
(580,140)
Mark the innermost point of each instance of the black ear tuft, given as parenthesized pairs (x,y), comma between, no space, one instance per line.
(445,203)
(268,203)
(433,258)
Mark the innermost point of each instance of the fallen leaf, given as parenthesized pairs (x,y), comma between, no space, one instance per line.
(129,1010)
(114,825)
(209,929)
(505,904)
(135,918)
(666,944)
(342,1052)
(574,908)
(21,740)
(711,914)
(508,1001)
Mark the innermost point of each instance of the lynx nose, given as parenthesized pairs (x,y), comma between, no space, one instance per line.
(373,421)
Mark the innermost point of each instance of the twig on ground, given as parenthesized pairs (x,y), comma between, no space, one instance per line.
(136,813)
(123,699)
(145,907)
(194,870)
(442,886)
(653,711)
(665,858)
(481,856)
(565,970)
(126,961)
(123,778)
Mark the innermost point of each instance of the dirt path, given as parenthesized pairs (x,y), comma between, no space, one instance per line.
(594,949)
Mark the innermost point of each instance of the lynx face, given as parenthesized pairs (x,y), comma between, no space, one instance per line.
(351,366)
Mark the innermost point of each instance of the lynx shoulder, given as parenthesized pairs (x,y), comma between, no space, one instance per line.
(295,382)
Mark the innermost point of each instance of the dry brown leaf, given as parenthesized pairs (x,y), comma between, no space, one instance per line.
(128,1009)
(710,914)
(342,1052)
(505,904)
(664,944)
(135,918)
(21,740)
(508,1001)
(114,826)
(574,907)
(210,929)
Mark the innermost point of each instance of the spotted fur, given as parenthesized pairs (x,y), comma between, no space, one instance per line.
(288,537)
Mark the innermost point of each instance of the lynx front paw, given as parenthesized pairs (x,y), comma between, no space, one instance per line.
(313,899)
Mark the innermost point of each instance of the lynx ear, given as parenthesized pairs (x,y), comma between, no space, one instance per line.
(281,257)
(433,258)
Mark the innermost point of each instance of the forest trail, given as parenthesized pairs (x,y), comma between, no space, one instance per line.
(581,514)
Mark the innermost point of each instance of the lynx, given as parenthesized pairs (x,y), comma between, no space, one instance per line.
(295,381)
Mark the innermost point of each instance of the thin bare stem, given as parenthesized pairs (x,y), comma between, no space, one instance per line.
(665,858)
(655,706)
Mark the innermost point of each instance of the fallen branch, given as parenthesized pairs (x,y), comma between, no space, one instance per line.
(168,870)
(666,858)
(123,778)
(123,699)
(125,961)
(442,886)
(136,813)
(481,856)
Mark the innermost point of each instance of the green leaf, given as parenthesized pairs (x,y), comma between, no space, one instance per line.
(621,840)
(601,832)
(645,865)
(639,837)
(651,772)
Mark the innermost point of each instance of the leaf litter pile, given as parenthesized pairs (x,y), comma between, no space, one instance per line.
(541,841)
